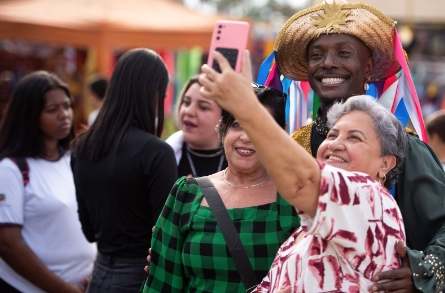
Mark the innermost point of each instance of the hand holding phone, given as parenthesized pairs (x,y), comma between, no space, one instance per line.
(230,39)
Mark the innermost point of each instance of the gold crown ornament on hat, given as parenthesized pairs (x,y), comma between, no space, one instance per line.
(332,18)
(360,20)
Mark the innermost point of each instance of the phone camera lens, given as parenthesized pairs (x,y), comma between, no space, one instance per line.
(220,26)
(217,38)
(219,32)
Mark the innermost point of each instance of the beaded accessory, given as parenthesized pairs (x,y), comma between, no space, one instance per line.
(437,268)
(303,137)
(321,126)
(428,273)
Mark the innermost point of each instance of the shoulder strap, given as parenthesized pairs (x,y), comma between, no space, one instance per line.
(22,163)
(229,232)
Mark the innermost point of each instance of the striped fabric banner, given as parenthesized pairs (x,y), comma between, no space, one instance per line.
(407,93)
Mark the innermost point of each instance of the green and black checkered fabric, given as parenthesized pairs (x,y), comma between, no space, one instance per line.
(189,253)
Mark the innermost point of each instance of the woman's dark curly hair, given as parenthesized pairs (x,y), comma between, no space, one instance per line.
(273,99)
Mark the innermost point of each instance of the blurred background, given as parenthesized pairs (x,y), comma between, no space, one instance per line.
(78,38)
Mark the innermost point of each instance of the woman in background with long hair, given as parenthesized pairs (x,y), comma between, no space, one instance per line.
(123,171)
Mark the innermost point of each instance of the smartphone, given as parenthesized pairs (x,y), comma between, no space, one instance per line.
(230,39)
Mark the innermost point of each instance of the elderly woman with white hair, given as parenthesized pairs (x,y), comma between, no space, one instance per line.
(350,224)
(351,233)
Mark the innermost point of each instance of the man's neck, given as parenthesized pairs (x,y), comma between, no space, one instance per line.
(326,104)
(323,110)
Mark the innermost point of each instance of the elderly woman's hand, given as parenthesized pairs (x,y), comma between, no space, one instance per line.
(400,280)
(231,90)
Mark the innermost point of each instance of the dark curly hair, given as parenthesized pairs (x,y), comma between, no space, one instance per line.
(273,99)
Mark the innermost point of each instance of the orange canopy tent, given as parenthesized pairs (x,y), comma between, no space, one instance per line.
(106,25)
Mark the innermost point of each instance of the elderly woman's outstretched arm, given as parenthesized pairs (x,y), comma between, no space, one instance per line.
(295,173)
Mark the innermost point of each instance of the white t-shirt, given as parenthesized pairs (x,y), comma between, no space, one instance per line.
(47,211)
(176,140)
(92,117)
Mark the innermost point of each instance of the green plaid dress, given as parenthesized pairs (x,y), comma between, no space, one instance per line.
(189,253)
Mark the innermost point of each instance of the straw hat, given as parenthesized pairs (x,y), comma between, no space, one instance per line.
(360,20)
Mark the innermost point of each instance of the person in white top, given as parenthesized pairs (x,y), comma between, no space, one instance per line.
(42,247)
(97,88)
(196,145)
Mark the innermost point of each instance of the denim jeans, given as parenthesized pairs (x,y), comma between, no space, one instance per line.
(116,274)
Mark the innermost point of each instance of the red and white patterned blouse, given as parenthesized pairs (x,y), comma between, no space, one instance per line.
(352,237)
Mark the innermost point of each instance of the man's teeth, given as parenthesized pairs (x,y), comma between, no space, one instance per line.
(337,159)
(245,151)
(332,80)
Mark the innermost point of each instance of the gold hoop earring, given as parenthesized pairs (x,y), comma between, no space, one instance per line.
(382,180)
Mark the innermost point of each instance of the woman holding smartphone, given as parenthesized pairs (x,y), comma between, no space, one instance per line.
(189,252)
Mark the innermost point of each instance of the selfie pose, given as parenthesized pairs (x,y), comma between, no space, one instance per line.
(190,253)
(339,58)
(350,224)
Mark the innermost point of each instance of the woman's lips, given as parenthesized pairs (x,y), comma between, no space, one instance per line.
(245,151)
(65,126)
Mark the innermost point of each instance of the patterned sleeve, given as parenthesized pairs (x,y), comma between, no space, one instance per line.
(166,269)
(359,216)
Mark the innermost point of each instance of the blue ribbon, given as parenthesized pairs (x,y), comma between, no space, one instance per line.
(372,91)
(286,85)
(263,71)
(402,113)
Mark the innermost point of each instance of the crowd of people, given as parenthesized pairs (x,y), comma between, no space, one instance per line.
(351,202)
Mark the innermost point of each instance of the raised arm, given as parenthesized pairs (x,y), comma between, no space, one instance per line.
(295,173)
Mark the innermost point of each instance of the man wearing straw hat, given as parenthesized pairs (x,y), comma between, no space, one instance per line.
(339,48)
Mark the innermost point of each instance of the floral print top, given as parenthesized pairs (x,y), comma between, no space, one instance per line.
(352,237)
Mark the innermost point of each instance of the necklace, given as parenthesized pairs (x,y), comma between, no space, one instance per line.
(215,154)
(231,184)
(192,166)
(320,124)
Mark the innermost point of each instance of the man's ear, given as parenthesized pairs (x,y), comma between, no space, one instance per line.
(388,163)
